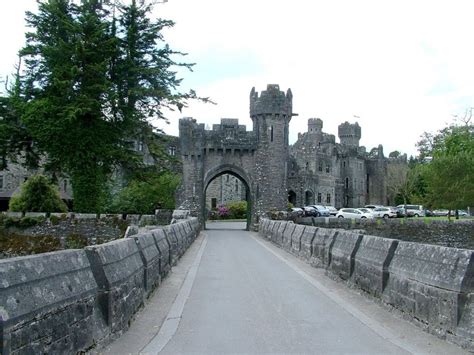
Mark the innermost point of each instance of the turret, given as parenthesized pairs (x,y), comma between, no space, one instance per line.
(271,112)
(349,134)
(271,101)
(315,126)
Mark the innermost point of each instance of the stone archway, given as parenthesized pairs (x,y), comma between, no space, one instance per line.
(308,198)
(257,157)
(239,174)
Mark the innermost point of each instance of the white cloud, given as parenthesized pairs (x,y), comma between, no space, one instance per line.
(403,67)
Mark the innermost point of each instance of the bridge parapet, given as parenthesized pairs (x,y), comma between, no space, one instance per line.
(71,300)
(432,285)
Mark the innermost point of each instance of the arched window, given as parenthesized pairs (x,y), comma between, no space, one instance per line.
(347,182)
(271,133)
(292,197)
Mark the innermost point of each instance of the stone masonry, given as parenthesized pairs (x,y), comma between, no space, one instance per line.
(315,170)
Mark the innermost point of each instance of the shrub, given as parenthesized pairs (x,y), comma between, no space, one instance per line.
(223,212)
(237,210)
(37,194)
(76,241)
(143,196)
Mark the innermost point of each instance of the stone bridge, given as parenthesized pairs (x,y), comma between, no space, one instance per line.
(286,289)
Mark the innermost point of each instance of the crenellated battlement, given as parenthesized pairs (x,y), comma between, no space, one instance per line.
(228,134)
(349,134)
(271,101)
(315,126)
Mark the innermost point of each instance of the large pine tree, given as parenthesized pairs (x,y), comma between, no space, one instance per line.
(94,75)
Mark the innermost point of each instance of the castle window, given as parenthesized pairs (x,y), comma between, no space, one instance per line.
(172,150)
(320,167)
(328,168)
(140,146)
(213,203)
(347,182)
(319,197)
(271,134)
(344,164)
(307,166)
(367,183)
(328,198)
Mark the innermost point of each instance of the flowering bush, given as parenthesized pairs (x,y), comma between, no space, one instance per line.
(223,211)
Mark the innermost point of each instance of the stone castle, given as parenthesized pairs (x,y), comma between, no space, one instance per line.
(314,170)
(229,163)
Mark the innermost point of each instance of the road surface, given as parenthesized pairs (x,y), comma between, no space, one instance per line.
(234,292)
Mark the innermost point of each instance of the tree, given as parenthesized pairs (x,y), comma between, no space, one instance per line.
(144,195)
(95,74)
(394,154)
(37,195)
(399,183)
(450,175)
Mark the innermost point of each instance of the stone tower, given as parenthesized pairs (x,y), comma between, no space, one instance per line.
(271,113)
(349,134)
(315,126)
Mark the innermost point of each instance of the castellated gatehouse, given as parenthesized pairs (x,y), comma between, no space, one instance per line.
(229,162)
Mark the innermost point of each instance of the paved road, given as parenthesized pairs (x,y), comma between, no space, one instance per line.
(244,295)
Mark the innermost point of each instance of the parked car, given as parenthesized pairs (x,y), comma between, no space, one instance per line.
(440,212)
(400,211)
(353,213)
(322,211)
(463,213)
(413,210)
(310,211)
(365,210)
(332,210)
(384,212)
(296,212)
(371,207)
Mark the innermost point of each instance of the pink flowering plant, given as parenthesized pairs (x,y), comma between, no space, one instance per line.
(223,211)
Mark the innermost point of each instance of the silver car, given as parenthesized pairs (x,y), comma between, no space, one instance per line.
(322,211)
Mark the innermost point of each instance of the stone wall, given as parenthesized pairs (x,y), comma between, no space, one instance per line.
(66,231)
(431,285)
(454,234)
(69,301)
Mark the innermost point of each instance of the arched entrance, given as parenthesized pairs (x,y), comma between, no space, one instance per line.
(258,157)
(308,198)
(226,171)
(292,197)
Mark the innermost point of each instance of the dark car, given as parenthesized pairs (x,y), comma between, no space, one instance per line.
(297,212)
(310,211)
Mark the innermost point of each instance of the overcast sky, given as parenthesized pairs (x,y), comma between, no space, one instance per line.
(401,67)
